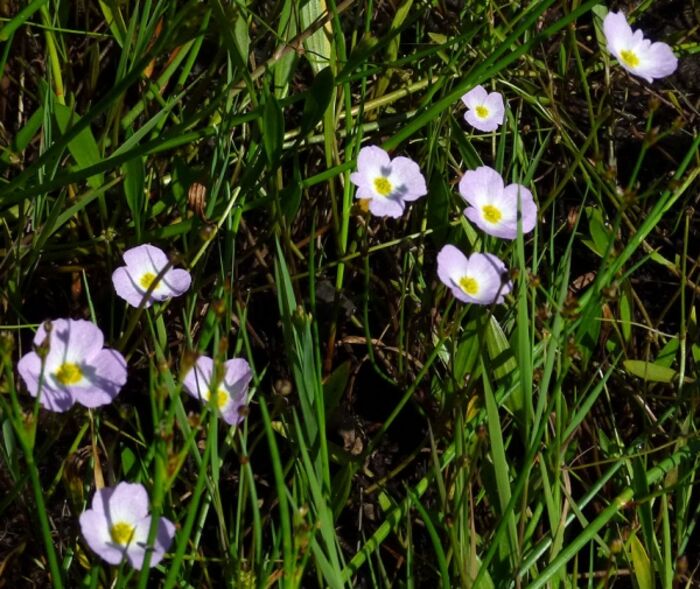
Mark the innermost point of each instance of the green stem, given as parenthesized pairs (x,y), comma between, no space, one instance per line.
(53,57)
(43,518)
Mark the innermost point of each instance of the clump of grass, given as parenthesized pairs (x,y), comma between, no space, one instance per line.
(394,435)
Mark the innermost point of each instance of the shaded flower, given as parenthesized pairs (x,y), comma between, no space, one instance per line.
(143,265)
(387,184)
(231,392)
(637,55)
(485,111)
(481,279)
(76,368)
(494,207)
(117,526)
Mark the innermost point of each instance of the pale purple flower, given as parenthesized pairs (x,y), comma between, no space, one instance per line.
(485,111)
(481,279)
(118,523)
(231,392)
(637,55)
(143,265)
(387,184)
(494,207)
(76,367)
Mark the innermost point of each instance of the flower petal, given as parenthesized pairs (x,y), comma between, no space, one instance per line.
(164,538)
(489,271)
(176,282)
(128,502)
(406,173)
(126,288)
(95,530)
(496,107)
(386,207)
(475,97)
(106,375)
(528,208)
(73,341)
(452,265)
(29,368)
(618,33)
(656,61)
(480,186)
(197,379)
(372,157)
(237,373)
(145,257)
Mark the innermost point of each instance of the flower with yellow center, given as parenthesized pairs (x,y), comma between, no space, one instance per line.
(117,525)
(485,111)
(231,394)
(495,208)
(385,185)
(73,366)
(147,267)
(480,279)
(637,55)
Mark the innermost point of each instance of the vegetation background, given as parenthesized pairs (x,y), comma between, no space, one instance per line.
(395,437)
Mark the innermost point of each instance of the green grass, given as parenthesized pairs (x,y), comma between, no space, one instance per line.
(396,437)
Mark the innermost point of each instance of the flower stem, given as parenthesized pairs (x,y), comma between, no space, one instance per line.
(43,518)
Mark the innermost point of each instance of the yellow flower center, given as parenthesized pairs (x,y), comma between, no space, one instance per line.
(146,280)
(481,111)
(491,213)
(221,398)
(469,285)
(383,186)
(69,373)
(122,533)
(629,58)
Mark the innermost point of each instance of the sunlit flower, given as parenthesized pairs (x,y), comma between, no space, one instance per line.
(76,367)
(117,526)
(481,279)
(387,184)
(494,207)
(484,111)
(231,392)
(143,265)
(637,55)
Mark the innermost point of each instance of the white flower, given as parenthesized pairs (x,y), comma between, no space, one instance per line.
(117,525)
(481,279)
(232,392)
(485,111)
(143,265)
(637,55)
(387,184)
(494,206)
